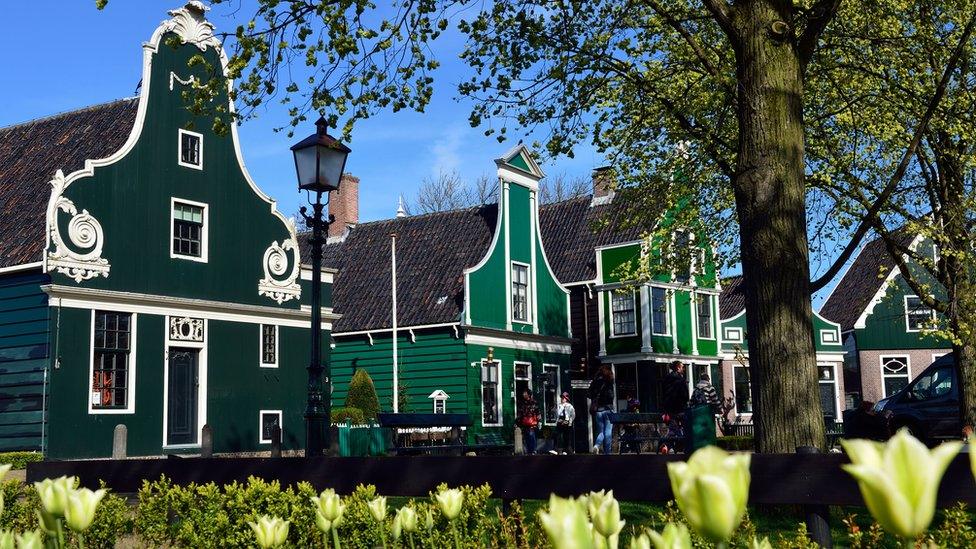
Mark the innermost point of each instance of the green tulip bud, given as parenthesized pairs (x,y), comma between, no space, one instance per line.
(30,540)
(270,532)
(330,504)
(54,494)
(674,536)
(899,480)
(428,519)
(712,490)
(396,527)
(7,539)
(606,517)
(760,544)
(80,511)
(321,522)
(408,519)
(377,508)
(565,524)
(640,542)
(450,502)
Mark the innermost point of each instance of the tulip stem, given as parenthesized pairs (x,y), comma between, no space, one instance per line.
(410,537)
(457,539)
(81,541)
(335,538)
(383,534)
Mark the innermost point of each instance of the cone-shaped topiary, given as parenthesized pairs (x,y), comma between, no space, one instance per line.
(362,394)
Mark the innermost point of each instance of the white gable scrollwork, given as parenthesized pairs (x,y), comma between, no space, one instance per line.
(80,257)
(279,283)
(186,329)
(190,24)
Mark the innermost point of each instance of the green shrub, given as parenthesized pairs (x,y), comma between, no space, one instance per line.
(736,443)
(362,394)
(353,415)
(19,460)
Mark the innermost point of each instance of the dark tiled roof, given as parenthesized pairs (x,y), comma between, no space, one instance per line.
(432,252)
(30,154)
(861,281)
(733,300)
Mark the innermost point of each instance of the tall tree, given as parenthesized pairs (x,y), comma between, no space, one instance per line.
(448,191)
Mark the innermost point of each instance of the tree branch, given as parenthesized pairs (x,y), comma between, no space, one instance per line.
(722,12)
(874,211)
(820,15)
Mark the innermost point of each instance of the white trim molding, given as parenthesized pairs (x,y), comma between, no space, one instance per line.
(278,283)
(82,260)
(511,341)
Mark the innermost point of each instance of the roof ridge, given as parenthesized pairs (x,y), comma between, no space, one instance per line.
(67,113)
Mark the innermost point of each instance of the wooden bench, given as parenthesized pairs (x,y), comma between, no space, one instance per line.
(649,431)
(490,444)
(404,427)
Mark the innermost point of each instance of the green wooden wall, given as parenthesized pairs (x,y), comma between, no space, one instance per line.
(436,360)
(24,353)
(885,327)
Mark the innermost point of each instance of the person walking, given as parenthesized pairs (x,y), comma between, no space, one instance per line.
(529,421)
(705,394)
(675,389)
(601,406)
(565,417)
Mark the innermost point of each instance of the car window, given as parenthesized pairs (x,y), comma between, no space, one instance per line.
(935,384)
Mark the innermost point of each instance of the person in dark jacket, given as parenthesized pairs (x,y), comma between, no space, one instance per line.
(529,421)
(705,394)
(601,406)
(675,390)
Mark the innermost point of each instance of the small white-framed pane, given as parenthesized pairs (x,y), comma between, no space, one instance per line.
(704,317)
(190,145)
(520,293)
(828,336)
(269,344)
(624,317)
(187,212)
(659,311)
(110,370)
(894,373)
(269,420)
(187,230)
(490,405)
(733,334)
(743,389)
(682,244)
(440,405)
(919,315)
(550,392)
(522,370)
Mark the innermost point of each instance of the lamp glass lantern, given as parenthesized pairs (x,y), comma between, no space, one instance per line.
(320,160)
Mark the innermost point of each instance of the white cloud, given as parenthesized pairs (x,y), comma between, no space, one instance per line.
(446,149)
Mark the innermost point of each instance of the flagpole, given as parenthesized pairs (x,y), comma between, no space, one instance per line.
(396,381)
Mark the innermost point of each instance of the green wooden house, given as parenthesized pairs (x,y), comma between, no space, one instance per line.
(883,321)
(145,279)
(735,380)
(480,313)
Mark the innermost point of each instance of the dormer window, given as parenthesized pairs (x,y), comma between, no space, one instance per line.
(191,149)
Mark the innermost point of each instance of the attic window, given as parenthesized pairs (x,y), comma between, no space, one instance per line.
(191,149)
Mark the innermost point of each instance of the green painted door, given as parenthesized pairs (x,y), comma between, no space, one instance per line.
(182,399)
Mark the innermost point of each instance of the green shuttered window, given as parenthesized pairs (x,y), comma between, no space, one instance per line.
(110,367)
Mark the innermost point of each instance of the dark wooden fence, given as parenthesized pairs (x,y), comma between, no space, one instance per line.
(782,479)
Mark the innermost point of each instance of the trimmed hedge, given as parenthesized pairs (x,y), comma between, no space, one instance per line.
(19,460)
(353,415)
(736,443)
(362,394)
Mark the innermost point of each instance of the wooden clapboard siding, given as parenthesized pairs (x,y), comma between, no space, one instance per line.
(24,356)
(435,360)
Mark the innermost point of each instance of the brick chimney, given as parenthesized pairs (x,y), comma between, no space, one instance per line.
(344,205)
(602,185)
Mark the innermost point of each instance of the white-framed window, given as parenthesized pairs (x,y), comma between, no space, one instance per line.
(190,149)
(895,374)
(188,230)
(733,335)
(491,393)
(551,389)
(918,315)
(743,388)
(829,336)
(268,419)
(704,307)
(682,249)
(439,400)
(659,311)
(112,368)
(827,377)
(269,346)
(520,292)
(623,313)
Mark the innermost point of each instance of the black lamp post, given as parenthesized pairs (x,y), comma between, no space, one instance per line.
(319,161)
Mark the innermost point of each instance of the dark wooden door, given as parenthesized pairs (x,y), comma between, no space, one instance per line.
(182,398)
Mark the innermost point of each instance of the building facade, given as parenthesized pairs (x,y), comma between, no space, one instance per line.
(147,281)
(883,322)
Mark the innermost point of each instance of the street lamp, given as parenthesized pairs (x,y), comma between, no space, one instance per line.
(319,162)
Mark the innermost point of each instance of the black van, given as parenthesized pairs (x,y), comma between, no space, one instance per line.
(929,406)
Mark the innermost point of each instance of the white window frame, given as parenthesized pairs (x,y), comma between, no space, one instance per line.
(201,384)
(834,337)
(667,312)
(204,234)
(559,391)
(739,412)
(733,335)
(179,149)
(281,425)
(516,378)
(633,301)
(498,393)
(277,333)
(907,359)
(937,356)
(442,403)
(711,317)
(833,381)
(908,325)
(529,307)
(130,399)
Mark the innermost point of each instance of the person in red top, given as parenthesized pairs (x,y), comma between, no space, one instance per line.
(529,421)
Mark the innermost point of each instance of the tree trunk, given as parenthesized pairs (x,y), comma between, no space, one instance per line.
(771,206)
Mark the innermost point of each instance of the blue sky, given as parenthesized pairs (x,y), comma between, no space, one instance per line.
(81,56)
